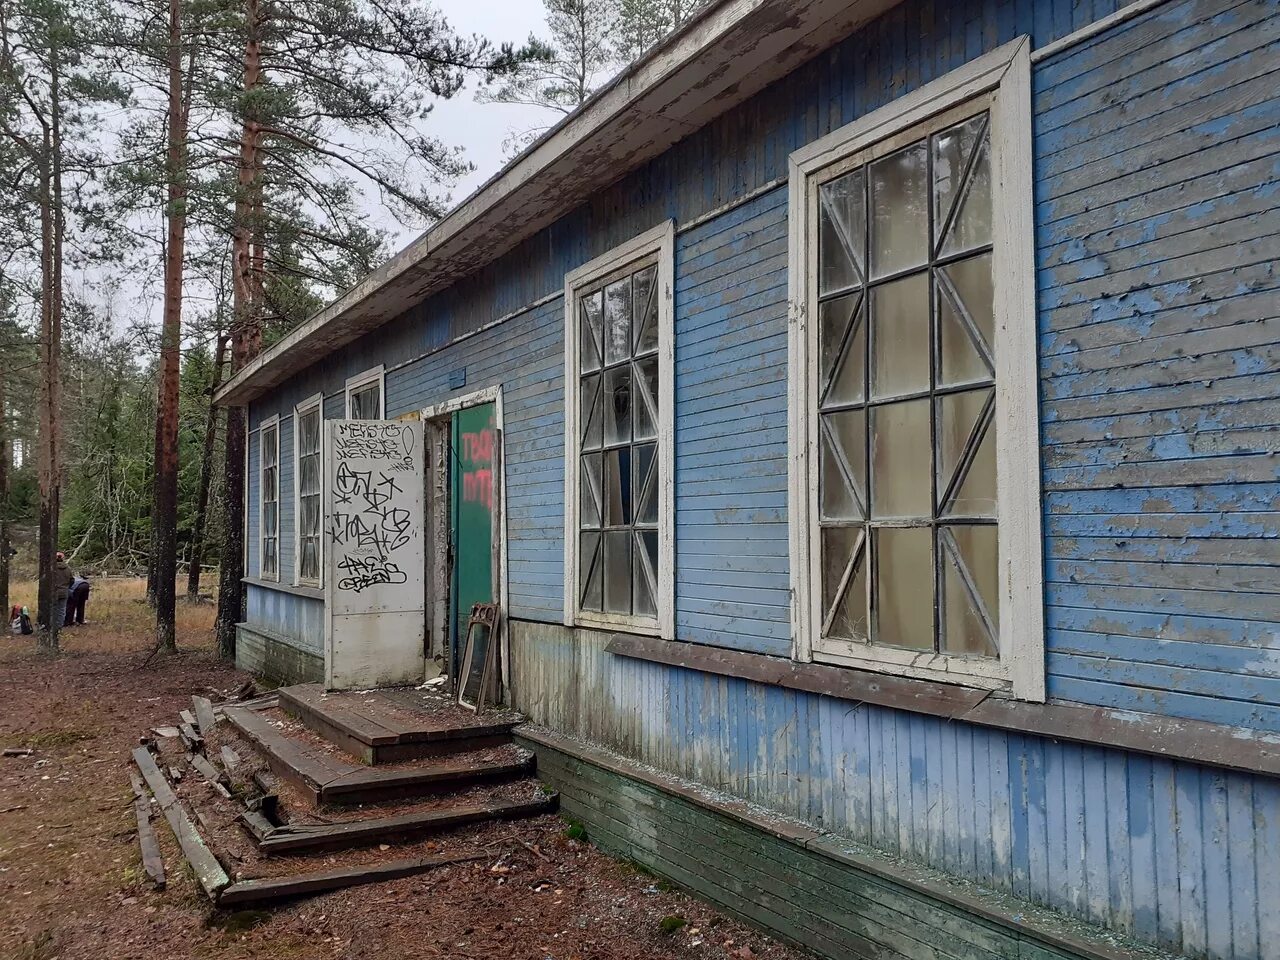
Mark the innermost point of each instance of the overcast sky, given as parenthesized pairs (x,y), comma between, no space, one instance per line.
(481,128)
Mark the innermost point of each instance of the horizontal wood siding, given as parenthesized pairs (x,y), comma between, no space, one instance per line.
(732,587)
(297,620)
(1158,221)
(1171,853)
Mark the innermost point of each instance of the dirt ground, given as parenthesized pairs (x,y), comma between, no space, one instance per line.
(72,885)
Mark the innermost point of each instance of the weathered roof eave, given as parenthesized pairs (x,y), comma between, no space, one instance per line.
(733,49)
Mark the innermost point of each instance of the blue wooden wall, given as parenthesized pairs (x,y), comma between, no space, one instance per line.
(1171,853)
(1156,165)
(1157,168)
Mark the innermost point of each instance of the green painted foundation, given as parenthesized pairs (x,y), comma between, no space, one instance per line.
(273,657)
(809,889)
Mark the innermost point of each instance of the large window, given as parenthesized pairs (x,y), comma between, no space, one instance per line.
(618,370)
(269,518)
(917,356)
(365,395)
(307,420)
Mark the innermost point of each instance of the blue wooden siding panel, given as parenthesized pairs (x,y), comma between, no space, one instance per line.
(731,328)
(1181,855)
(1157,178)
(299,620)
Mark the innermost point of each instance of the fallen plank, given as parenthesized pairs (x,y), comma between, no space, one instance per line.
(230,759)
(190,737)
(18,751)
(204,714)
(206,866)
(356,833)
(152,861)
(187,717)
(306,884)
(259,827)
(214,776)
(165,731)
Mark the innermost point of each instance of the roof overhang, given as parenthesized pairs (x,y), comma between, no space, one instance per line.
(726,54)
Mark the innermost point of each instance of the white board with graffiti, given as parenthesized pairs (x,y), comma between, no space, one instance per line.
(374,553)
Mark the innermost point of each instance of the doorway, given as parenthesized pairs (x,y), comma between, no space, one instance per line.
(465,525)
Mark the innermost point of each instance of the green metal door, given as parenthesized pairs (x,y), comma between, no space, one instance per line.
(473,439)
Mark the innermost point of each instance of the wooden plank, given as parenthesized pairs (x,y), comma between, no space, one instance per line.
(307,884)
(259,827)
(230,759)
(211,774)
(152,861)
(308,701)
(360,832)
(363,785)
(204,714)
(207,869)
(302,766)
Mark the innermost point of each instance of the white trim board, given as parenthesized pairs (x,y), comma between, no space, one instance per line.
(1001,81)
(659,243)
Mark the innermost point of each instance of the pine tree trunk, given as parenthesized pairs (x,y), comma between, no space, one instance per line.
(50,353)
(6,458)
(166,481)
(246,339)
(206,477)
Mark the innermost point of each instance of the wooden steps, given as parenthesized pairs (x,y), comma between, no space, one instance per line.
(327,779)
(356,833)
(308,884)
(387,726)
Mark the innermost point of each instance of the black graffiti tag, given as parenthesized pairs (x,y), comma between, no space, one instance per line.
(363,572)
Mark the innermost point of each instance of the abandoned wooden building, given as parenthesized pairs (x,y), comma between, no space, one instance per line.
(864,415)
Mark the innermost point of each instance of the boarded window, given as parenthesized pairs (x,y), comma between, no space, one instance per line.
(906,395)
(270,482)
(308,422)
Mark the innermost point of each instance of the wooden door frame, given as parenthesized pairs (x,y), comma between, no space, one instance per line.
(436,419)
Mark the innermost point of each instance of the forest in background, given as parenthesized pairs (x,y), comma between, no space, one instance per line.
(181,182)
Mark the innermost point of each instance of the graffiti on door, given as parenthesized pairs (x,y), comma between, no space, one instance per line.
(372,516)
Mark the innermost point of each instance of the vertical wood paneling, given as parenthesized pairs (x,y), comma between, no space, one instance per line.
(1171,853)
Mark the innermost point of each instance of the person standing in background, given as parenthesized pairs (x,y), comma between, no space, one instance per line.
(76,599)
(61,587)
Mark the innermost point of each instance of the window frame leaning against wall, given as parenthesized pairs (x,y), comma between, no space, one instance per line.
(654,247)
(998,83)
(313,404)
(270,426)
(362,381)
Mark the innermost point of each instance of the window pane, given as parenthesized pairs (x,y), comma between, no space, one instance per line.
(645,482)
(617,487)
(952,150)
(617,572)
(962,432)
(901,464)
(589,416)
(646,402)
(970,606)
(904,587)
(842,215)
(900,336)
(365,403)
(644,573)
(590,483)
(971,282)
(843,353)
(842,480)
(591,571)
(644,296)
(309,567)
(615,405)
(900,212)
(850,619)
(590,320)
(617,321)
(838,544)
(971,226)
(963,358)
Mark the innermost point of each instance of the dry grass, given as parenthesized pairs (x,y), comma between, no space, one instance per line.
(119,620)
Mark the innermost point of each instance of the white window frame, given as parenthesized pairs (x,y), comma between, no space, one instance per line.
(1003,78)
(316,403)
(658,243)
(372,375)
(271,424)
